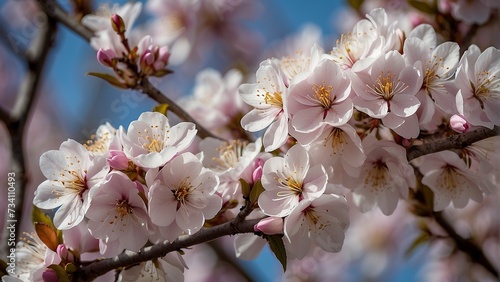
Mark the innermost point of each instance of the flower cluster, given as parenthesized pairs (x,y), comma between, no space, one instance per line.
(357,108)
(335,124)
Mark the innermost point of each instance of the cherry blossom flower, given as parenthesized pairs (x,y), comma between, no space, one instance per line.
(478,81)
(268,97)
(437,65)
(103,140)
(321,221)
(231,162)
(450,180)
(388,91)
(150,141)
(183,194)
(289,180)
(72,174)
(384,179)
(320,98)
(118,213)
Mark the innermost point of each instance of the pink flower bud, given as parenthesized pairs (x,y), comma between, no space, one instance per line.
(257,173)
(270,226)
(118,24)
(117,160)
(459,124)
(105,57)
(50,275)
(64,254)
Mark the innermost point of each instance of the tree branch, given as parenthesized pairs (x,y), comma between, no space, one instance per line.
(18,119)
(55,11)
(126,258)
(149,89)
(466,245)
(457,141)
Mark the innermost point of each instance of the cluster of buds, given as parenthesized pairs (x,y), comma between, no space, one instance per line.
(130,65)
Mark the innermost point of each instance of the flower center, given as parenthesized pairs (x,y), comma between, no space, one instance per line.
(183,190)
(377,177)
(274,99)
(386,87)
(322,95)
(337,140)
(487,86)
(98,145)
(123,208)
(448,179)
(230,154)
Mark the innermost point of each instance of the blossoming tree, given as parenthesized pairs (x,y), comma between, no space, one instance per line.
(300,152)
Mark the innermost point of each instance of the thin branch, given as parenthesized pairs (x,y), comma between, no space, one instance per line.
(454,142)
(149,89)
(466,245)
(55,11)
(95,269)
(18,119)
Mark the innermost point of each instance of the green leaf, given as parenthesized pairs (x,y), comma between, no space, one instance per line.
(421,239)
(110,79)
(161,108)
(162,73)
(61,273)
(38,216)
(423,6)
(278,248)
(47,235)
(257,189)
(245,187)
(355,4)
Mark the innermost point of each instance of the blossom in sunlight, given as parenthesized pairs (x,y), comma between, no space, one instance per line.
(437,65)
(289,180)
(320,98)
(118,213)
(72,174)
(451,181)
(385,177)
(183,195)
(478,81)
(321,221)
(387,92)
(369,39)
(268,97)
(151,142)
(103,140)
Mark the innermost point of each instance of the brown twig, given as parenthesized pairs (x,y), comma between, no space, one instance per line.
(97,268)
(454,142)
(149,89)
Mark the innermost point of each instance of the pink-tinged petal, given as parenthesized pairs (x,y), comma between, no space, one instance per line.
(162,205)
(296,162)
(295,220)
(410,128)
(257,119)
(154,159)
(412,79)
(387,202)
(492,110)
(213,207)
(308,119)
(448,54)
(248,93)
(315,182)
(52,163)
(339,114)
(69,215)
(170,232)
(181,135)
(279,205)
(189,219)
(375,108)
(276,135)
(488,60)
(392,121)
(404,105)
(415,50)
(426,33)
